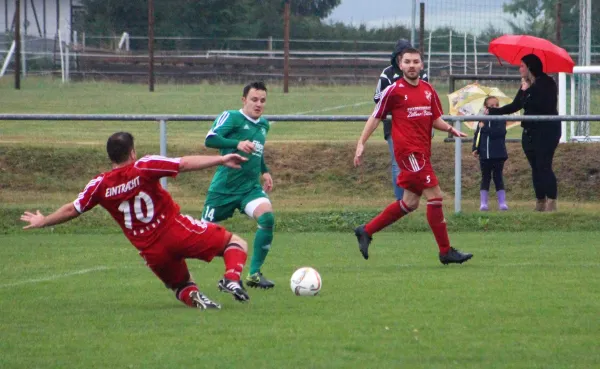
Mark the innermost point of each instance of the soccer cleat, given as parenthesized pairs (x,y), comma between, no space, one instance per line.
(235,288)
(257,280)
(202,302)
(454,256)
(363,240)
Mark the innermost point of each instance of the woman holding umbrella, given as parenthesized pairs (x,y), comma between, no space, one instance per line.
(538,95)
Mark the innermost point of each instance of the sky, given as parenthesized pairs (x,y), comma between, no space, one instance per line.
(463,15)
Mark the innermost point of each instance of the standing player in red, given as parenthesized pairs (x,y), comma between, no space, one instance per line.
(415,108)
(151,220)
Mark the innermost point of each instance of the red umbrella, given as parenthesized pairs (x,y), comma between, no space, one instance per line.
(514,47)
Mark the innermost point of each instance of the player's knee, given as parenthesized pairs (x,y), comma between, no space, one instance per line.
(239,242)
(266,221)
(412,204)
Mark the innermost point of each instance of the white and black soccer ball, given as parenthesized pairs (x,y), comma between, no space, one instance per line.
(306,281)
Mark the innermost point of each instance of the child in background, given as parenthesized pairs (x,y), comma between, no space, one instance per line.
(489,144)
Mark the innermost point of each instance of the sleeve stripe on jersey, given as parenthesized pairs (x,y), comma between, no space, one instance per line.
(94,182)
(384,97)
(220,120)
(159,170)
(158,158)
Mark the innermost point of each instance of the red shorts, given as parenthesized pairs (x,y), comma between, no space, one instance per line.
(185,238)
(416,173)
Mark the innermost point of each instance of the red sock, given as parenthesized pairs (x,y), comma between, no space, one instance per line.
(392,213)
(235,259)
(437,223)
(183,294)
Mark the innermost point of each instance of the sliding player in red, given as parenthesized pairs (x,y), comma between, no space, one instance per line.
(150,219)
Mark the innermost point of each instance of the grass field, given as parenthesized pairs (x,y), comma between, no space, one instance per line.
(79,296)
(42,95)
(527,300)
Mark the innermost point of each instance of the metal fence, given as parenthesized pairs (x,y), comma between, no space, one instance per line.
(163,119)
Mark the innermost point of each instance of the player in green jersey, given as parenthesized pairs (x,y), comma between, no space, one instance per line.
(244,131)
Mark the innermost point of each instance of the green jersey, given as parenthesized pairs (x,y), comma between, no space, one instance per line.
(230,128)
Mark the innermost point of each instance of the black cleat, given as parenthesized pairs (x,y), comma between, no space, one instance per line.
(202,302)
(363,240)
(454,256)
(257,280)
(235,288)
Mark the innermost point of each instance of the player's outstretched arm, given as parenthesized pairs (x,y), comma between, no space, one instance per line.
(370,127)
(39,220)
(442,125)
(197,162)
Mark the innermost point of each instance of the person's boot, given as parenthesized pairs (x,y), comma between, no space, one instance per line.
(540,205)
(551,205)
(502,200)
(483,195)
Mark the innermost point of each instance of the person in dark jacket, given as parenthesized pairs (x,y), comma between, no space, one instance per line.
(388,76)
(489,145)
(538,95)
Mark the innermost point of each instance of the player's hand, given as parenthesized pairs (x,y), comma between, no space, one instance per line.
(268,182)
(475,153)
(246,146)
(233,160)
(456,133)
(35,220)
(360,149)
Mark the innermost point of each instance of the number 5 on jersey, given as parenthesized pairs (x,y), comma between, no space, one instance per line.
(125,208)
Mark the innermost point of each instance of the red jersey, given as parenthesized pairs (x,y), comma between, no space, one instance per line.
(134,197)
(413,109)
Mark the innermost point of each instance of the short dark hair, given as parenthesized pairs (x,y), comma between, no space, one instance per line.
(119,146)
(411,50)
(258,85)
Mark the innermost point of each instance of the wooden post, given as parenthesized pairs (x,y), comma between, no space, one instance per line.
(286,46)
(151,45)
(17,44)
(558,21)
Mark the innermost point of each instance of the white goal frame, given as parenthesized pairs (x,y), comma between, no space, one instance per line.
(562,103)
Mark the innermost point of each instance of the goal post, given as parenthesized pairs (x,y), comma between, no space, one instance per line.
(569,134)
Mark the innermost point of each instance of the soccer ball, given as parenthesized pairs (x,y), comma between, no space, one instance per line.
(306,281)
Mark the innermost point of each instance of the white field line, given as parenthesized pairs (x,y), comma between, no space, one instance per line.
(56,276)
(334,108)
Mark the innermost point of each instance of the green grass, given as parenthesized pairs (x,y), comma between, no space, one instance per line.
(526,300)
(44,95)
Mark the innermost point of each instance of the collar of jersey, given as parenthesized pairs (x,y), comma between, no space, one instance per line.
(255,121)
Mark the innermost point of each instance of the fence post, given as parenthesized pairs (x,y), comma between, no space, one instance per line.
(457,168)
(163,146)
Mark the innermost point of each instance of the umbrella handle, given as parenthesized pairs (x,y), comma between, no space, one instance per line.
(499,61)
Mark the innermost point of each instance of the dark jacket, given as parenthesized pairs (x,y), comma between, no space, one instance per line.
(390,75)
(492,142)
(539,99)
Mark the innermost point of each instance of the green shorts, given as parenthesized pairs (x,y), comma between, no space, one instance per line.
(220,206)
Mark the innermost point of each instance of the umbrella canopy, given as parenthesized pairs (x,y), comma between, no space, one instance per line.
(512,48)
(469,101)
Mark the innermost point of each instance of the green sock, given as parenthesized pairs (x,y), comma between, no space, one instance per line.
(262,242)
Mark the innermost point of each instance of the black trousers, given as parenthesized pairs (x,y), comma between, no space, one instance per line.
(539,147)
(492,169)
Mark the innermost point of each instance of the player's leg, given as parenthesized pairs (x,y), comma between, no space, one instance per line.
(486,177)
(391,214)
(437,223)
(498,168)
(259,207)
(174,273)
(398,191)
(205,240)
(235,254)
